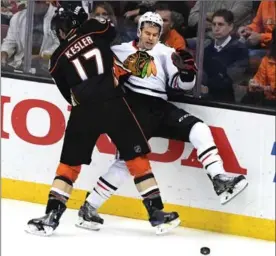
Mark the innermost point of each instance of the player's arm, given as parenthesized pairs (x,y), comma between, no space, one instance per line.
(100,27)
(62,86)
(60,80)
(120,72)
(181,70)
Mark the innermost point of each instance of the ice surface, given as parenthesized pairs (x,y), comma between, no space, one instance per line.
(119,236)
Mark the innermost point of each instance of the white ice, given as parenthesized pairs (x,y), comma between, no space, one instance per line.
(119,236)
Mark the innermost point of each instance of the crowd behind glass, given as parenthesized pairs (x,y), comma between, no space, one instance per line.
(237,41)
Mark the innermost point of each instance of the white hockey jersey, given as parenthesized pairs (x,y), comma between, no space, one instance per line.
(162,74)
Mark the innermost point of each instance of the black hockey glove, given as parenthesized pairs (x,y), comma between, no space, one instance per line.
(185,64)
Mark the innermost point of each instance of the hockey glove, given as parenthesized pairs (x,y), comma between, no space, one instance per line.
(185,64)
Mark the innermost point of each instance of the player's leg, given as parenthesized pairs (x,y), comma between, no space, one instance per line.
(180,125)
(105,187)
(132,144)
(77,149)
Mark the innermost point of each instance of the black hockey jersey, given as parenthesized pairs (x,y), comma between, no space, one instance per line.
(82,66)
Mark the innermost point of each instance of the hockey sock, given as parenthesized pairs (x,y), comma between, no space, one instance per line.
(207,152)
(101,193)
(108,184)
(146,185)
(59,194)
(149,191)
(57,200)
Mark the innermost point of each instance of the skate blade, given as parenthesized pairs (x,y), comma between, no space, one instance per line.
(226,196)
(32,229)
(81,223)
(166,227)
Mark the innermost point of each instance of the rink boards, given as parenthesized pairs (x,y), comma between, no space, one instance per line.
(33,121)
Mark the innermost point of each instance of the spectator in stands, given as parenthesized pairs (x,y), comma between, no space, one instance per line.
(225,59)
(9,8)
(242,11)
(105,10)
(258,34)
(265,78)
(170,36)
(44,42)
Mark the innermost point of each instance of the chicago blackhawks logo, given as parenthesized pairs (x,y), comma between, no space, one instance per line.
(141,64)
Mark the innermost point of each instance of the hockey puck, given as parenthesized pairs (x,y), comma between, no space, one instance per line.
(205,250)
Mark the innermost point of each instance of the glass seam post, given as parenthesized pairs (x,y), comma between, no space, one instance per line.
(28,37)
(200,46)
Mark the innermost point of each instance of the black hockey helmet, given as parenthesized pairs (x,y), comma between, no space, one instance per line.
(67,19)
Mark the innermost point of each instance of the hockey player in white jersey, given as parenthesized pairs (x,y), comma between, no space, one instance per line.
(155,67)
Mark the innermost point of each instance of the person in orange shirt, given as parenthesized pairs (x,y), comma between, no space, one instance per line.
(170,36)
(265,78)
(174,40)
(259,32)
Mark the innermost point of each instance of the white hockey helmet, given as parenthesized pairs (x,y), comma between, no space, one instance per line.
(150,17)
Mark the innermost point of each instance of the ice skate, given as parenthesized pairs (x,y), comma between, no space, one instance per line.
(45,225)
(162,221)
(228,187)
(89,218)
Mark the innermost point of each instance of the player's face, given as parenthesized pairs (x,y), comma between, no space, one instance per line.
(149,37)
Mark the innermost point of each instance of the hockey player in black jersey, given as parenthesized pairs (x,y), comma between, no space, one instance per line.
(82,68)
